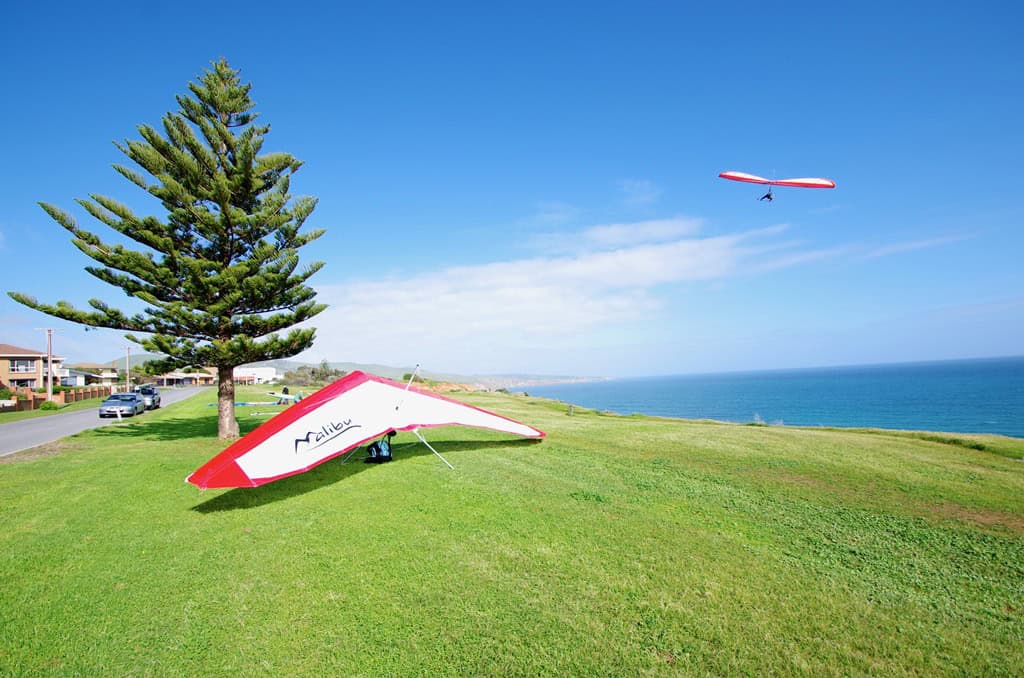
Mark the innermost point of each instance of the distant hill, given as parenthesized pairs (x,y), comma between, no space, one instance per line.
(481,381)
(137,360)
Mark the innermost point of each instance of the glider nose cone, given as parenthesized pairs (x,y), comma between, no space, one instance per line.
(225,473)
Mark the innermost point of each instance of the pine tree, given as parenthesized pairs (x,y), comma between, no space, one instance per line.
(222,269)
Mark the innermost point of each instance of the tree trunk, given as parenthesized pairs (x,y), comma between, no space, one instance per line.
(227,424)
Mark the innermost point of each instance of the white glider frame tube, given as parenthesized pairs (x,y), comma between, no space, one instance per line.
(416,432)
(412,378)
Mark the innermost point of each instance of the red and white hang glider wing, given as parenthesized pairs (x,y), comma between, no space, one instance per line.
(809,182)
(743,176)
(339,417)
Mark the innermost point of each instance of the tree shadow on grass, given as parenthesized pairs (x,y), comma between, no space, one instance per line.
(333,471)
(170,429)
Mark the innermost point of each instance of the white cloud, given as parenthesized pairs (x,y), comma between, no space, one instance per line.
(611,236)
(639,192)
(656,230)
(910,246)
(479,313)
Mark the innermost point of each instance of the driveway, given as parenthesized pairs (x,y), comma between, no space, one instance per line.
(28,433)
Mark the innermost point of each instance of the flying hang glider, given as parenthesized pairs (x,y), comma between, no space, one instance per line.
(337,419)
(806,182)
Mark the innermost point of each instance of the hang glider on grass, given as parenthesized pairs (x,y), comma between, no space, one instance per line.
(806,182)
(336,420)
(285,398)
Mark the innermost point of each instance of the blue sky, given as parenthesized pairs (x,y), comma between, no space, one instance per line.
(533,187)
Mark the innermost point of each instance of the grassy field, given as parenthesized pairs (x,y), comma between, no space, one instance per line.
(617,546)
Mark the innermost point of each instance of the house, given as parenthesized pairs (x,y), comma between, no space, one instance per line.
(205,377)
(69,376)
(25,367)
(255,375)
(89,373)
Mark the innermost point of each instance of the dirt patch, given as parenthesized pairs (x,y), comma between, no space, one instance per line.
(40,452)
(444,387)
(447,386)
(762,476)
(986,518)
(945,510)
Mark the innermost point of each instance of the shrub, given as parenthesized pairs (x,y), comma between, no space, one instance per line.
(307,375)
(49,405)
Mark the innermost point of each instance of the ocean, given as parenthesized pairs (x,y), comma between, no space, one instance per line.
(959,396)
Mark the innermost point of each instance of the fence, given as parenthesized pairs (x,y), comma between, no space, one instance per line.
(27,399)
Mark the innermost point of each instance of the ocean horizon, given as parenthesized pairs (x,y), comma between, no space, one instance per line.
(982,395)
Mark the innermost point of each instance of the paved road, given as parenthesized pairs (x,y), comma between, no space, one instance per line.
(28,433)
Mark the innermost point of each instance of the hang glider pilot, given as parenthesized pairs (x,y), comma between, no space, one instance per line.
(767,196)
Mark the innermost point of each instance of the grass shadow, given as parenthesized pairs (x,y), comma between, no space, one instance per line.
(169,429)
(333,471)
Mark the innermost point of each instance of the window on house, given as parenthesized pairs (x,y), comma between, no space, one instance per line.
(20,366)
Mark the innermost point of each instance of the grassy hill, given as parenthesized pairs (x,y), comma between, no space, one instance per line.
(617,546)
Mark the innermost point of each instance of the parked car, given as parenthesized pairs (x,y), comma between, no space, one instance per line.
(150,396)
(128,404)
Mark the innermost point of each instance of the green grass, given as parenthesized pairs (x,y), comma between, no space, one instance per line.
(618,546)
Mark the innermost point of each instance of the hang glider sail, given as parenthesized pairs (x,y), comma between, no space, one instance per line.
(337,419)
(805,182)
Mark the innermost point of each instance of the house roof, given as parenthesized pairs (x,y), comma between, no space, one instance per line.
(74,370)
(92,366)
(7,349)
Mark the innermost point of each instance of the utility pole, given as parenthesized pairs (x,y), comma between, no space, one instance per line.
(127,368)
(49,362)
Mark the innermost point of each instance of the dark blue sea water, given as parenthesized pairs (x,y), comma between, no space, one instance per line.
(961,396)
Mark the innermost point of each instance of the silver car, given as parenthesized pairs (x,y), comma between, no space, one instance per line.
(150,396)
(125,404)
